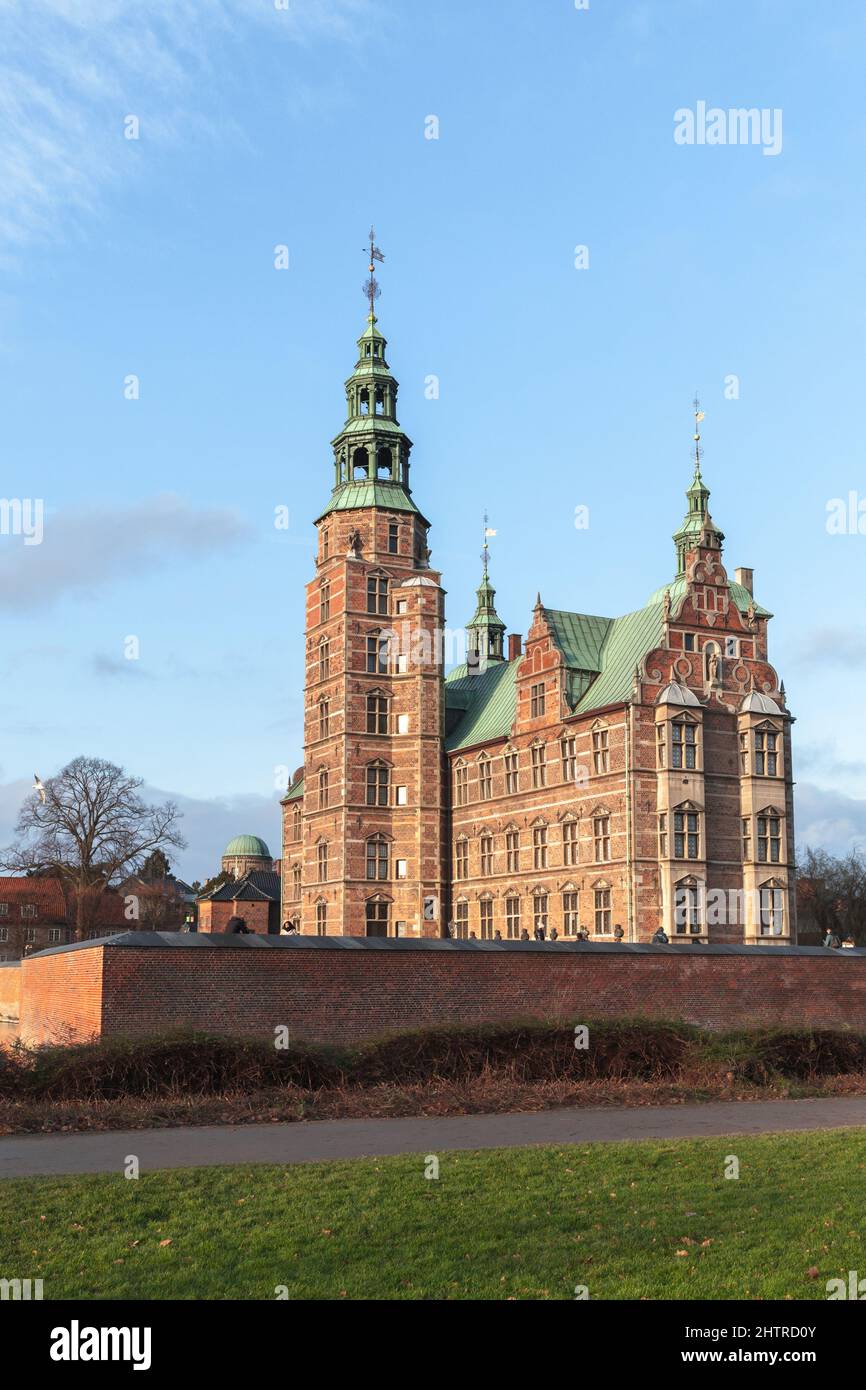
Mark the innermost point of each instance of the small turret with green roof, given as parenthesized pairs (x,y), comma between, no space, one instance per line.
(486,631)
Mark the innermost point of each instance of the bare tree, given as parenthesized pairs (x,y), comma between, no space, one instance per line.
(831,892)
(89,827)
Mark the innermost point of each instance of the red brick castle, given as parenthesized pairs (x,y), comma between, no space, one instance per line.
(614,775)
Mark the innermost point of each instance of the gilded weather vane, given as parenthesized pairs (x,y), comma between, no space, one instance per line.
(699,415)
(371,285)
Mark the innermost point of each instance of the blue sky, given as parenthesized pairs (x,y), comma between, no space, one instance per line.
(560,387)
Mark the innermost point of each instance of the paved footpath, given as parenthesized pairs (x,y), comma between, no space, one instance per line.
(317,1140)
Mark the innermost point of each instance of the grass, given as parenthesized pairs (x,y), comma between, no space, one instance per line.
(649,1220)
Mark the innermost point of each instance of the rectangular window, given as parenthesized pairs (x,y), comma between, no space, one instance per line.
(402,797)
(28,910)
(601,838)
(602,912)
(570,914)
(536,700)
(539,768)
(402,723)
(324,718)
(296,883)
(661,745)
(684,745)
(569,842)
(512,851)
(393,539)
(4,909)
(766,753)
(769,839)
(401,868)
(663,836)
(378,778)
(377,859)
(55,934)
(461,785)
(377,655)
(744,754)
(4,933)
(772,912)
(512,918)
(377,594)
(326,545)
(485,779)
(461,859)
(747,838)
(377,714)
(325,603)
(687,911)
(539,913)
(539,846)
(600,751)
(486,854)
(686,837)
(569,759)
(402,606)
(512,783)
(29,934)
(323,790)
(322,862)
(324,660)
(486,907)
(461,921)
(689,642)
(732,647)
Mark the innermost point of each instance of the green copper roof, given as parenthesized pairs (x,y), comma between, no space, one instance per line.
(249,845)
(601,655)
(740,595)
(367,493)
(480,705)
(296,790)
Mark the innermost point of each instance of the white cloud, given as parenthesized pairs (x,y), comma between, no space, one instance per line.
(71,70)
(83,551)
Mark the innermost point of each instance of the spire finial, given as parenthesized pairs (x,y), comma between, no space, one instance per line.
(699,415)
(485,552)
(371,285)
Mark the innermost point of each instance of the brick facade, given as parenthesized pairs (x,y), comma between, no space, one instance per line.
(620,777)
(342,991)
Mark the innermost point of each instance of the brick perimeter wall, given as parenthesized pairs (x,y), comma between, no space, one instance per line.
(61,996)
(328,994)
(10,990)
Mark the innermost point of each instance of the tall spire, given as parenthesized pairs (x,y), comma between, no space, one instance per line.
(697,518)
(486,631)
(371,452)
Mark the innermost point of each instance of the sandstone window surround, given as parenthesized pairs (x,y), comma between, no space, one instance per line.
(603,925)
(600,748)
(689,907)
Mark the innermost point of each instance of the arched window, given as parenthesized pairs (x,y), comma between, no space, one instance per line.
(360,464)
(364,401)
(383,463)
(377,857)
(380,401)
(378,784)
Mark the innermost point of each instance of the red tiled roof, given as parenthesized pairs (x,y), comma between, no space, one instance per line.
(46,894)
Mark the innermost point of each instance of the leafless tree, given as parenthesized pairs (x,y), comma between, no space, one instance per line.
(91,831)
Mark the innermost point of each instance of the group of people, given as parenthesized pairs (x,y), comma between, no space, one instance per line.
(541,934)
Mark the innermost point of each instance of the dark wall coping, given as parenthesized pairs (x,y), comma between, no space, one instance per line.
(214,941)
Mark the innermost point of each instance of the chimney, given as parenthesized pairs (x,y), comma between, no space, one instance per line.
(515,645)
(746,578)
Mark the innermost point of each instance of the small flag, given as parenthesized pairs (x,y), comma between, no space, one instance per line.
(700,416)
(488,531)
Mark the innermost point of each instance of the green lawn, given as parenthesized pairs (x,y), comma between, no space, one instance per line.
(515,1223)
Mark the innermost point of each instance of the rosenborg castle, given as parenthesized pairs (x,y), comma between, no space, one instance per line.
(600,775)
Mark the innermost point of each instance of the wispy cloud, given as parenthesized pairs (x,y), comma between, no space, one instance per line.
(71,71)
(81,552)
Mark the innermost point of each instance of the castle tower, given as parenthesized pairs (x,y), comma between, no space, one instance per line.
(372,826)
